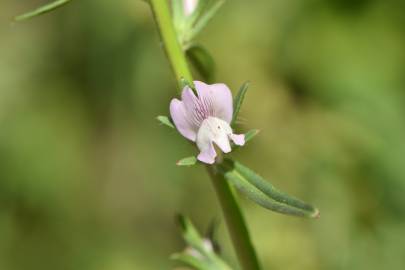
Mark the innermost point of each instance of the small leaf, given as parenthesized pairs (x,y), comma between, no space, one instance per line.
(165,121)
(202,61)
(178,15)
(204,19)
(250,134)
(237,103)
(211,234)
(188,161)
(41,10)
(199,9)
(262,192)
(184,23)
(190,233)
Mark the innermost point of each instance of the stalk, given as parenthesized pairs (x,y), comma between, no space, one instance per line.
(234,219)
(171,45)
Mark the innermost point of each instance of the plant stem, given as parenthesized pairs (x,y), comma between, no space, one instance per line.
(172,47)
(235,221)
(232,213)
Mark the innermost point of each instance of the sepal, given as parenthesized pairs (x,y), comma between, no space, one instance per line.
(187,161)
(238,100)
(165,121)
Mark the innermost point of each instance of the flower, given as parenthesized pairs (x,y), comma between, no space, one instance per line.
(205,119)
(189,6)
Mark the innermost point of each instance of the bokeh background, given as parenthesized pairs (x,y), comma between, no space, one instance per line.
(88,177)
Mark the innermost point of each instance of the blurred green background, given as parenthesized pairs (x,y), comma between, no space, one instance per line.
(88,177)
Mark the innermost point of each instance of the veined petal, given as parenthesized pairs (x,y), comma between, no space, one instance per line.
(189,99)
(219,97)
(182,121)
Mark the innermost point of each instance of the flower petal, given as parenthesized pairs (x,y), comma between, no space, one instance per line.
(197,110)
(208,154)
(238,139)
(189,99)
(219,96)
(181,119)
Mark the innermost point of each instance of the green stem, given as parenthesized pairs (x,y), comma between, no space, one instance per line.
(235,221)
(172,47)
(232,213)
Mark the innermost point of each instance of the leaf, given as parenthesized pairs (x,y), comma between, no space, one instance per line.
(165,121)
(190,234)
(188,161)
(262,192)
(41,10)
(202,61)
(199,9)
(178,15)
(237,103)
(250,134)
(204,19)
(211,234)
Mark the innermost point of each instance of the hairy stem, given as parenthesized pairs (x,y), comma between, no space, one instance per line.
(232,213)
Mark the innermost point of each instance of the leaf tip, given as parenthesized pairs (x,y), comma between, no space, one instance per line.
(316,214)
(250,134)
(165,120)
(256,131)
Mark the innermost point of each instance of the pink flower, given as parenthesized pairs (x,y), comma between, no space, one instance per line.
(205,119)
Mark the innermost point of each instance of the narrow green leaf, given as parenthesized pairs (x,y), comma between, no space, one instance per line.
(237,103)
(250,134)
(188,161)
(204,19)
(270,190)
(190,233)
(262,192)
(178,15)
(211,234)
(165,121)
(202,61)
(200,8)
(41,10)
